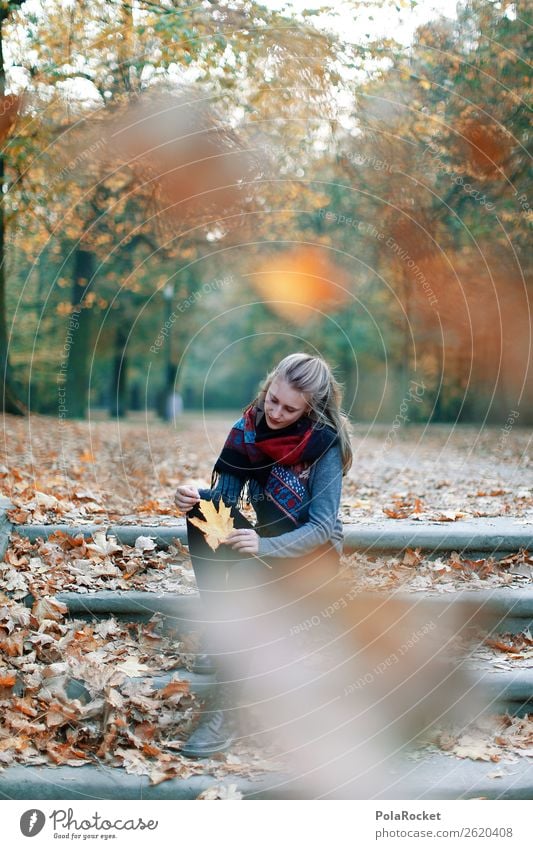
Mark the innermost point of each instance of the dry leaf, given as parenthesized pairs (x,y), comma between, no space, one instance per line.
(103,545)
(133,668)
(412,558)
(451,516)
(7,681)
(49,608)
(221,791)
(172,688)
(63,754)
(133,762)
(45,500)
(157,776)
(475,748)
(216,525)
(145,544)
(115,698)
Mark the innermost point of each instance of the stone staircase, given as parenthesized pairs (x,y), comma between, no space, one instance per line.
(435,776)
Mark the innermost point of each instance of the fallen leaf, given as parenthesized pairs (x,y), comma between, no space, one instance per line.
(45,500)
(49,608)
(172,688)
(159,775)
(103,545)
(451,516)
(476,749)
(145,544)
(7,681)
(221,791)
(13,646)
(132,667)
(132,761)
(64,754)
(412,558)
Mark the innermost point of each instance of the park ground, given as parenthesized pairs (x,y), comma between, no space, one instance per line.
(126,472)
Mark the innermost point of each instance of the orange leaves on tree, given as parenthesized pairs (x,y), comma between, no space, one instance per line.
(301,284)
(9,109)
(486,145)
(216,524)
(181,142)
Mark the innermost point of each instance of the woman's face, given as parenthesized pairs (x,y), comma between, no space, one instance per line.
(283,404)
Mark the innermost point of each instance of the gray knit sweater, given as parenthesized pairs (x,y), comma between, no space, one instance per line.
(319,519)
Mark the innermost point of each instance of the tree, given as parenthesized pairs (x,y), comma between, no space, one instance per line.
(239,54)
(9,401)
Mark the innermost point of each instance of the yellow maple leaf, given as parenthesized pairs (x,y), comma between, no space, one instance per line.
(216,524)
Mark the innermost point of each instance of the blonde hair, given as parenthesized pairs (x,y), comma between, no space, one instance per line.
(313,377)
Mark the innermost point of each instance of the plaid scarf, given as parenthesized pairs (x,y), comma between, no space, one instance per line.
(278,460)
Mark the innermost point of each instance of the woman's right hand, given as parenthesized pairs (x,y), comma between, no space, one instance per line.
(186,497)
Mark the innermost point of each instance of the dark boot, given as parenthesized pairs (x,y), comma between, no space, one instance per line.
(218,728)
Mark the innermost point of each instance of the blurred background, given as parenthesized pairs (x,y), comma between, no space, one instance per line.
(192,190)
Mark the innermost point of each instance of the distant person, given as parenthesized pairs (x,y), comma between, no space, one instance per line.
(290,449)
(174,406)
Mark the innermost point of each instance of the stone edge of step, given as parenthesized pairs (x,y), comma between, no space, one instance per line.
(6,527)
(199,684)
(478,537)
(90,782)
(435,776)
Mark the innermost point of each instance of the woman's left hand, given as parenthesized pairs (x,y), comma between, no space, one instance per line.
(244,539)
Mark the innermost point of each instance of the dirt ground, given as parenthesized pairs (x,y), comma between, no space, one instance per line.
(103,471)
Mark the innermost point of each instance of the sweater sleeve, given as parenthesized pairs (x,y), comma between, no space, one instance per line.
(228,486)
(325,496)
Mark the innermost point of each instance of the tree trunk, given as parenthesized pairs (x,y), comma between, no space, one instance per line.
(119,402)
(77,352)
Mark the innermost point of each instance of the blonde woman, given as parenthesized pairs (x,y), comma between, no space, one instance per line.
(286,456)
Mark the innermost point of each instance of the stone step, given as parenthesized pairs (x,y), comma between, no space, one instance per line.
(442,776)
(510,692)
(507,692)
(5,525)
(510,609)
(181,611)
(433,776)
(498,536)
(103,782)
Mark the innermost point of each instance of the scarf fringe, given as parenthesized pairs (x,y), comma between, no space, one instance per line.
(244,498)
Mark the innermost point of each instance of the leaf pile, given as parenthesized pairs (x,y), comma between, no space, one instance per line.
(493,738)
(120,719)
(414,572)
(83,565)
(505,652)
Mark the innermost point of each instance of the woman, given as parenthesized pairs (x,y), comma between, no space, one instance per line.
(289,451)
